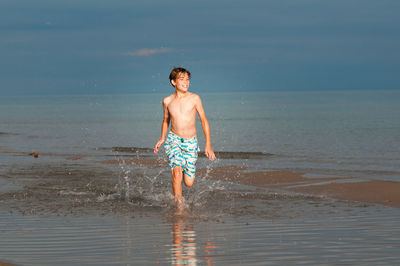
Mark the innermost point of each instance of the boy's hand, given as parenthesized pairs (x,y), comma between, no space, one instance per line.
(158,144)
(209,153)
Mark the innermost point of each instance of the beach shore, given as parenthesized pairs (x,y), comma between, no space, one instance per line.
(341,188)
(373,191)
(124,209)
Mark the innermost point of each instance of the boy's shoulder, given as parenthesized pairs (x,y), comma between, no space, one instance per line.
(168,99)
(194,95)
(196,98)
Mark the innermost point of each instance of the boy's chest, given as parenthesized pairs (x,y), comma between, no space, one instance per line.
(181,107)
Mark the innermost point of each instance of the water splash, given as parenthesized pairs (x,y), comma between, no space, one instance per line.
(144,186)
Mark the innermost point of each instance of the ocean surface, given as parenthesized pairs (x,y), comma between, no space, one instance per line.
(69,207)
(340,133)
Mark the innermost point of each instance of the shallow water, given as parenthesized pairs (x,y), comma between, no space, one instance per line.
(345,236)
(85,213)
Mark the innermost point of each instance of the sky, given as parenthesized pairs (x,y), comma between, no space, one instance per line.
(130,46)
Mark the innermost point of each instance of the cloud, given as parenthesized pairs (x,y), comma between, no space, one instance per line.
(147,52)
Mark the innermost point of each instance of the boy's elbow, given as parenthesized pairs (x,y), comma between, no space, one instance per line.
(203,119)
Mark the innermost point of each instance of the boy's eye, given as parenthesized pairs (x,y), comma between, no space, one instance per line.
(183,79)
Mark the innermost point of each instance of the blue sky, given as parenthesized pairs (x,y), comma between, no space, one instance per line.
(127,46)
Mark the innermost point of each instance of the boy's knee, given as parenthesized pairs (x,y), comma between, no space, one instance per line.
(177,172)
(189,181)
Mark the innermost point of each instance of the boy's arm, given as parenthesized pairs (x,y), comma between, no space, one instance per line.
(206,128)
(164,127)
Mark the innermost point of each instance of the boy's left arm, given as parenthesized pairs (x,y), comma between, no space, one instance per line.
(206,128)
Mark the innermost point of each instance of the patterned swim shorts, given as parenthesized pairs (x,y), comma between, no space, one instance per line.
(182,152)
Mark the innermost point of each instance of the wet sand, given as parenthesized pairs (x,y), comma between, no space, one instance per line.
(342,188)
(374,191)
(6,264)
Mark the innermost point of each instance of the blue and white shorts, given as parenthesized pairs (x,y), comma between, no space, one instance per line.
(182,152)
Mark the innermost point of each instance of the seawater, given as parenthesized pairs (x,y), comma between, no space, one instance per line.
(352,236)
(76,211)
(345,133)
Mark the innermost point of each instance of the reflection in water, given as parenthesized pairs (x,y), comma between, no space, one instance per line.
(184,242)
(207,249)
(185,249)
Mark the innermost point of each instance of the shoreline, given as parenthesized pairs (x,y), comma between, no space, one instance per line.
(96,182)
(369,191)
(89,205)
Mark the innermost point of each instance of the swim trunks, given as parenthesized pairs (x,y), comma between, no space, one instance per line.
(182,152)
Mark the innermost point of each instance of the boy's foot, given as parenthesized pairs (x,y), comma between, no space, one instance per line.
(179,209)
(178,201)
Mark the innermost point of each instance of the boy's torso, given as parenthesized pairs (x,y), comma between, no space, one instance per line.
(182,112)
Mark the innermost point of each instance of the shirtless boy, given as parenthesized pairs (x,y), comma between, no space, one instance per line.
(181,144)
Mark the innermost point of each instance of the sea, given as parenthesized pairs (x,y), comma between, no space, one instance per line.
(348,133)
(67,207)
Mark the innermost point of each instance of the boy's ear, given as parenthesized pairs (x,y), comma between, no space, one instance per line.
(173,82)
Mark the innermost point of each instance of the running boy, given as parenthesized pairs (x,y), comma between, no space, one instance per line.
(181,144)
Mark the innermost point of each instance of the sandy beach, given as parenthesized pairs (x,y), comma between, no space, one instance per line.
(6,264)
(374,191)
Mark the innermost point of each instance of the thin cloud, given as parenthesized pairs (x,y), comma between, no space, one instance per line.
(147,52)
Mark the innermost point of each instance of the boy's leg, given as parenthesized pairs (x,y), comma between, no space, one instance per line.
(177,176)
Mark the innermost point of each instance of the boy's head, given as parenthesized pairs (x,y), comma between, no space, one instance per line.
(176,72)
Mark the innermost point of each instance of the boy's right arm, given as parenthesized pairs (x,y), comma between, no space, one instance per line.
(164,127)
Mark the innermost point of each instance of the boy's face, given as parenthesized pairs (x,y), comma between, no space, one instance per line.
(182,82)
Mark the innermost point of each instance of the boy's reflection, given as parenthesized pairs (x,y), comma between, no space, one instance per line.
(184,243)
(184,239)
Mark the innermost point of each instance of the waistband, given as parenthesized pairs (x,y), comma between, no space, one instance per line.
(174,136)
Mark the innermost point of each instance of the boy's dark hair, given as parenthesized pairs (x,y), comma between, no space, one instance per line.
(176,71)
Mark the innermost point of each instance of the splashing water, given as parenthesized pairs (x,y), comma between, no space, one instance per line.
(141,185)
(147,186)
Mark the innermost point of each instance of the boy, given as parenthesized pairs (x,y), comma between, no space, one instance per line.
(181,143)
